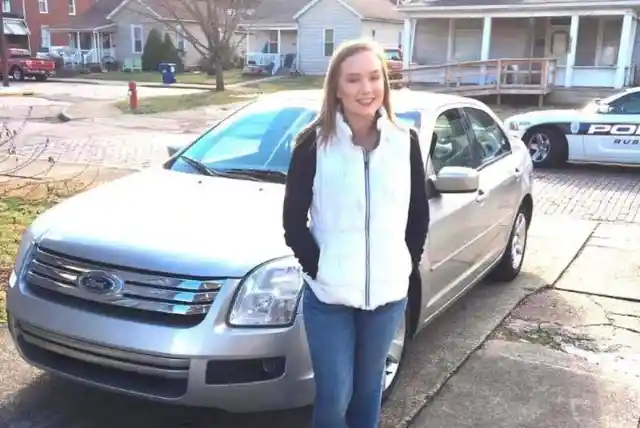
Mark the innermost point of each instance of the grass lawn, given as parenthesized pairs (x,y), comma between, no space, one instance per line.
(169,103)
(230,76)
(16,213)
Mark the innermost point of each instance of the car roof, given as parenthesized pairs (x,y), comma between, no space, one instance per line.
(404,99)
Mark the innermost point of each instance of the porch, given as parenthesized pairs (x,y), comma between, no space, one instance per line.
(271,50)
(587,50)
(87,47)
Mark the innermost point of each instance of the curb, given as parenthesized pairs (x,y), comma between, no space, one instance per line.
(22,93)
(140,84)
(63,116)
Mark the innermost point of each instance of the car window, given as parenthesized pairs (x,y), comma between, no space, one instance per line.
(627,104)
(452,146)
(492,142)
(260,137)
(393,55)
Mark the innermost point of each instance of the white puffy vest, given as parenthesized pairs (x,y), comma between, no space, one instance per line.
(359,218)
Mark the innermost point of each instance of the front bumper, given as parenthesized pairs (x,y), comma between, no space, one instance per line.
(209,364)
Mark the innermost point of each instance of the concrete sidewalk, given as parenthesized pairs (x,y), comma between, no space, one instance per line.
(176,85)
(568,357)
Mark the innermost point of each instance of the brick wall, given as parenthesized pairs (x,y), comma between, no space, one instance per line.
(57,13)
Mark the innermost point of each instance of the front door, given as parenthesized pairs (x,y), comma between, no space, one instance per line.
(500,184)
(557,41)
(456,223)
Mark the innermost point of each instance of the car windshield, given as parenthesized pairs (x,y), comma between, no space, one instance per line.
(257,139)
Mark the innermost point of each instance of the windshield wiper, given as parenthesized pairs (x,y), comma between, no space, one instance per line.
(199,166)
(259,174)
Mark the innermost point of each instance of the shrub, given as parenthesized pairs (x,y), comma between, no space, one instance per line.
(153,51)
(171,54)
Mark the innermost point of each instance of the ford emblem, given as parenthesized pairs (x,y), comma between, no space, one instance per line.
(99,282)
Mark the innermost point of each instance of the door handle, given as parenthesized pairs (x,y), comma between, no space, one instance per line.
(482,196)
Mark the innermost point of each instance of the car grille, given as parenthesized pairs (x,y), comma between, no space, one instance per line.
(150,292)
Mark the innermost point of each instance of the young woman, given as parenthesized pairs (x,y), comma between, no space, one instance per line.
(362,177)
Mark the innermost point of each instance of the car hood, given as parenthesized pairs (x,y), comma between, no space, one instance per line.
(171,222)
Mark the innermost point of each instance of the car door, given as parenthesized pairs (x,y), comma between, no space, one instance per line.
(455,224)
(500,182)
(612,134)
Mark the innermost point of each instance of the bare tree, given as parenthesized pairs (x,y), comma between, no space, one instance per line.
(212,27)
(27,171)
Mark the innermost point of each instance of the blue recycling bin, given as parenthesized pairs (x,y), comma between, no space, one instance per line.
(168,71)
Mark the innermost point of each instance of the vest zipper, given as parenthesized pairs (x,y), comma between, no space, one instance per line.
(367,218)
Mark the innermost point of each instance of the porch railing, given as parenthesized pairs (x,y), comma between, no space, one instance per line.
(491,77)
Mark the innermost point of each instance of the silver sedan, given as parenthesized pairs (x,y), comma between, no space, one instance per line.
(175,283)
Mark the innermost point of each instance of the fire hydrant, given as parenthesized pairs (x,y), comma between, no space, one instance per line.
(133,96)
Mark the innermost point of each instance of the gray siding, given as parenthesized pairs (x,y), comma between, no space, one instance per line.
(311,25)
(124,19)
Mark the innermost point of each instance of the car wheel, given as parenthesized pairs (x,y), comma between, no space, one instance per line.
(511,262)
(17,74)
(395,358)
(547,146)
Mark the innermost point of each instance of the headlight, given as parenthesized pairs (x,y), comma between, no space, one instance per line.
(22,256)
(268,296)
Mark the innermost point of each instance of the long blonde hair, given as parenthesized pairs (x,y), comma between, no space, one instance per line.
(326,120)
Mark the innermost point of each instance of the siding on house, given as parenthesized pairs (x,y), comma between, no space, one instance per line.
(132,15)
(386,33)
(326,14)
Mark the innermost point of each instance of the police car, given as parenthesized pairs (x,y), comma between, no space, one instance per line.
(605,131)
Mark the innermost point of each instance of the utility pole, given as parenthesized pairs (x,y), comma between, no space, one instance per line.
(4,51)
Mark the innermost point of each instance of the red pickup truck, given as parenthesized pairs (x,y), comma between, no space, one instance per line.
(22,64)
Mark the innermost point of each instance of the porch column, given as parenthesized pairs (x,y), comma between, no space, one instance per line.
(279,43)
(407,48)
(485,48)
(450,39)
(571,53)
(624,53)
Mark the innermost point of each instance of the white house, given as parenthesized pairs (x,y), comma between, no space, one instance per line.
(592,42)
(313,29)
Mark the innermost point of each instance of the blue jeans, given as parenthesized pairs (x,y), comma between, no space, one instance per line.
(349,349)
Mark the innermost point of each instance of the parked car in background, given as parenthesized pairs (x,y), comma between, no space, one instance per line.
(22,65)
(605,131)
(175,283)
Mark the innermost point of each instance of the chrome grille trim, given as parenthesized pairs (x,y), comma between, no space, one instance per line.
(148,292)
(166,367)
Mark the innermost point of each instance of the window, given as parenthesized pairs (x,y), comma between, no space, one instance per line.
(273,42)
(627,104)
(492,142)
(46,37)
(450,145)
(72,7)
(258,137)
(180,39)
(6,6)
(136,39)
(611,32)
(329,41)
(43,6)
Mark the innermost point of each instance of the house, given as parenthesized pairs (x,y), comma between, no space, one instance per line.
(16,29)
(572,43)
(119,28)
(313,29)
(42,14)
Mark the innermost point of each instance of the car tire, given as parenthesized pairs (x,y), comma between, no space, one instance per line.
(512,259)
(547,145)
(386,392)
(17,74)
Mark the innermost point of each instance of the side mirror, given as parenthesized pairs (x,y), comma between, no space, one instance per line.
(603,109)
(457,179)
(174,148)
